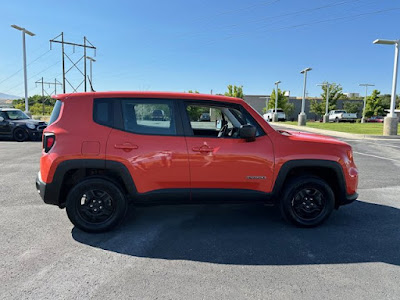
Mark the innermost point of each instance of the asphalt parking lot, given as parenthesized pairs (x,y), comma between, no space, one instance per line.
(202,252)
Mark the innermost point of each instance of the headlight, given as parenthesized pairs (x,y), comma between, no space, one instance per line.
(30,126)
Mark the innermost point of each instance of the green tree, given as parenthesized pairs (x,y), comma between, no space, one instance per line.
(374,105)
(283,102)
(317,107)
(352,106)
(36,103)
(235,91)
(193,92)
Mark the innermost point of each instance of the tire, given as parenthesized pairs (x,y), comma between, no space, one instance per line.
(307,201)
(96,205)
(337,120)
(20,135)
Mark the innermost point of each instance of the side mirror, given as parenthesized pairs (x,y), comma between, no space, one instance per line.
(1,119)
(247,132)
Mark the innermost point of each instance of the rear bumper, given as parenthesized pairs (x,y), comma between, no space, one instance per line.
(47,191)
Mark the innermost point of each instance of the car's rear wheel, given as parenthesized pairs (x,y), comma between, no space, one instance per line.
(307,201)
(20,135)
(96,205)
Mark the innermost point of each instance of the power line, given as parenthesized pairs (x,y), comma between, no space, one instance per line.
(309,23)
(281,28)
(44,70)
(36,59)
(295,13)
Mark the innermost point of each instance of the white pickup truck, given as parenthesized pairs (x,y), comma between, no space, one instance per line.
(281,115)
(341,116)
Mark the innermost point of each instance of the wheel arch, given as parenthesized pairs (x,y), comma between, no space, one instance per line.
(330,171)
(70,172)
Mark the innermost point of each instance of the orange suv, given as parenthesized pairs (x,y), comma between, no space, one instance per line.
(102,150)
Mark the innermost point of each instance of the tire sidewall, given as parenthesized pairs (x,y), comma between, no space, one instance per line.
(74,198)
(295,186)
(25,137)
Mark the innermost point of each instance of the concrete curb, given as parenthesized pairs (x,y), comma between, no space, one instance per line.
(335,133)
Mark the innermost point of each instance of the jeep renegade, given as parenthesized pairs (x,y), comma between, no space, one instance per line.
(102,150)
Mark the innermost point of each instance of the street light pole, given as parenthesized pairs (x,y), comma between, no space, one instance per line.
(302,119)
(391,120)
(365,99)
(23,30)
(275,114)
(328,85)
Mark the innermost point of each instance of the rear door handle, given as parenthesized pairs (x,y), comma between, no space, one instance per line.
(125,146)
(202,149)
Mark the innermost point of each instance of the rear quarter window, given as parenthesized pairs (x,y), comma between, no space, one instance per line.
(56,112)
(103,112)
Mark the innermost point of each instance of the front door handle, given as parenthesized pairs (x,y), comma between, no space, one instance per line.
(126,146)
(202,149)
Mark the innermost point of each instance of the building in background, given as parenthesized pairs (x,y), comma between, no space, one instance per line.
(352,95)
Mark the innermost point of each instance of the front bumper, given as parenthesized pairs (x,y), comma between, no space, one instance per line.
(349,199)
(47,191)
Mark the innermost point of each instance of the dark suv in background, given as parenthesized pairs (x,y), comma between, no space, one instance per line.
(15,124)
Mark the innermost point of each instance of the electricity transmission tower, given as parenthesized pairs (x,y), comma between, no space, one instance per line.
(42,82)
(75,64)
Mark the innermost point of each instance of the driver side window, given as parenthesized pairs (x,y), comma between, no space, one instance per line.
(215,120)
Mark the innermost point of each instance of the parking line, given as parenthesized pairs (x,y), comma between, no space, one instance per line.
(376,156)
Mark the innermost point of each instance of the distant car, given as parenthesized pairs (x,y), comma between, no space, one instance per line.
(270,113)
(205,117)
(15,124)
(158,115)
(342,116)
(375,119)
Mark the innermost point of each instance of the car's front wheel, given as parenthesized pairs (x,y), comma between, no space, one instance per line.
(96,205)
(307,201)
(20,135)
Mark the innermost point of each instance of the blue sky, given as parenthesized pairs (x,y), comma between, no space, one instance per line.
(179,45)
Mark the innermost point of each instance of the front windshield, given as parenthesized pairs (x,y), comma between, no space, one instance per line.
(16,115)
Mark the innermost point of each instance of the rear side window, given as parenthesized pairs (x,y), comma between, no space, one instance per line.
(150,116)
(103,112)
(56,112)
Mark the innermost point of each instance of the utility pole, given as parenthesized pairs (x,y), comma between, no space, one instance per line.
(302,119)
(42,82)
(86,44)
(365,99)
(328,85)
(24,31)
(275,114)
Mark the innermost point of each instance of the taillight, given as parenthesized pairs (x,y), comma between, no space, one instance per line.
(350,154)
(48,141)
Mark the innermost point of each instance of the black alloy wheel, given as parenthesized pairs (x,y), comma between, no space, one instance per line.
(307,201)
(20,135)
(96,205)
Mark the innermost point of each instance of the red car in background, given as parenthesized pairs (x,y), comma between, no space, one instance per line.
(375,119)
